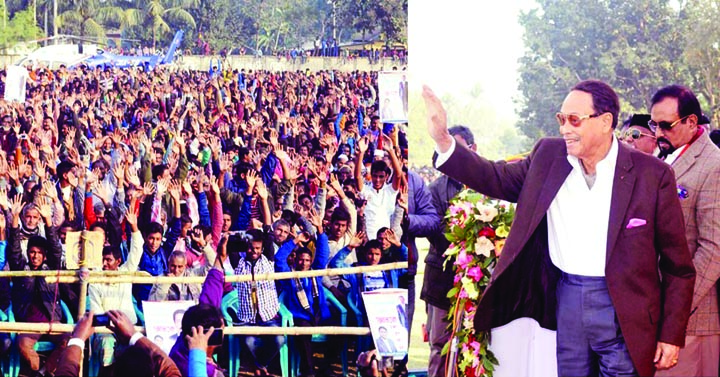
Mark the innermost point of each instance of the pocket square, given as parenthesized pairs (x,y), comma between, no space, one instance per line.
(634,223)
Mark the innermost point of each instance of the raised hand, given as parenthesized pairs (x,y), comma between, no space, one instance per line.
(148,189)
(198,339)
(281,154)
(250,178)
(197,236)
(46,209)
(131,217)
(436,120)
(4,204)
(16,206)
(214,186)
(315,219)
(261,189)
(162,186)
(102,192)
(225,164)
(357,240)
(48,189)
(41,170)
(335,184)
(392,237)
(174,190)
(402,200)
(132,177)
(14,173)
(119,173)
(363,144)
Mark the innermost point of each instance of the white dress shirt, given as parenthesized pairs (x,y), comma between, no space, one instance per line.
(578,216)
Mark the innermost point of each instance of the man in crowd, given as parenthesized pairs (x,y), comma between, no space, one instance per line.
(106,297)
(685,146)
(598,233)
(638,134)
(438,278)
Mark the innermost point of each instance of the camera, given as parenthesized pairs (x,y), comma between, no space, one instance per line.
(101,320)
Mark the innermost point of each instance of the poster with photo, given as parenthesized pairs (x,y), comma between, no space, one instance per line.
(93,245)
(393,96)
(387,316)
(163,321)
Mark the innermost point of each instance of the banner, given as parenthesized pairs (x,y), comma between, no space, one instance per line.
(393,96)
(15,80)
(387,316)
(163,321)
(93,245)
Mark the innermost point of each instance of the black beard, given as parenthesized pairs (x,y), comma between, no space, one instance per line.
(666,147)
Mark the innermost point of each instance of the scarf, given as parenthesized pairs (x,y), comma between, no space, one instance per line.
(315,311)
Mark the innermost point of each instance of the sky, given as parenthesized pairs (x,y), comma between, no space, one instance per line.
(456,45)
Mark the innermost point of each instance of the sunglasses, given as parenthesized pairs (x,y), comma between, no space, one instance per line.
(665,126)
(636,134)
(575,120)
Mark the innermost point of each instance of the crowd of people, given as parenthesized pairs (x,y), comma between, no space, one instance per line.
(189,173)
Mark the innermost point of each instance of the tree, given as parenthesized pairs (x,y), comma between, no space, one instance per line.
(158,14)
(635,46)
(88,17)
(20,28)
(702,53)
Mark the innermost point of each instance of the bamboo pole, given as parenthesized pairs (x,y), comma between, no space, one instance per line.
(96,279)
(61,328)
(63,273)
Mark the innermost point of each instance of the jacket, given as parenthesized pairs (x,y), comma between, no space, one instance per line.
(423,219)
(357,284)
(26,289)
(156,264)
(438,279)
(648,269)
(289,286)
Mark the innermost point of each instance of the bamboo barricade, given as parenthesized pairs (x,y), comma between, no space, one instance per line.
(97,278)
(61,328)
(112,277)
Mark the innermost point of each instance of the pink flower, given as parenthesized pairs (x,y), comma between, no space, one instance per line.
(457,278)
(463,259)
(463,294)
(475,273)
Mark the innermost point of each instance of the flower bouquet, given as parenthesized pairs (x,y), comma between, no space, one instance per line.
(477,227)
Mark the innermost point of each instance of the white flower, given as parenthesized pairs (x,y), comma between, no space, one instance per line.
(487,213)
(484,246)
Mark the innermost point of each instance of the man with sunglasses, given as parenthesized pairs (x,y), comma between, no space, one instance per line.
(686,146)
(638,135)
(597,248)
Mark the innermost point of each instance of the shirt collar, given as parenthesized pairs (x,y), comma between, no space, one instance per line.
(604,165)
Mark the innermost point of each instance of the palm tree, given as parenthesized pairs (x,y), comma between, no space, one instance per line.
(89,18)
(157,14)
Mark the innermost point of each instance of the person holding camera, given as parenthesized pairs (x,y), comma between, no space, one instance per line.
(142,359)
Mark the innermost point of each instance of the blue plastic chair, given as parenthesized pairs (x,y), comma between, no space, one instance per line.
(6,359)
(319,338)
(40,346)
(230,302)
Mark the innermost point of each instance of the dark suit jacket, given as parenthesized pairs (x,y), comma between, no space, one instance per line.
(652,299)
(154,362)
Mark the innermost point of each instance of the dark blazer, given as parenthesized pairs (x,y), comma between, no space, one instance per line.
(438,279)
(652,299)
(149,358)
